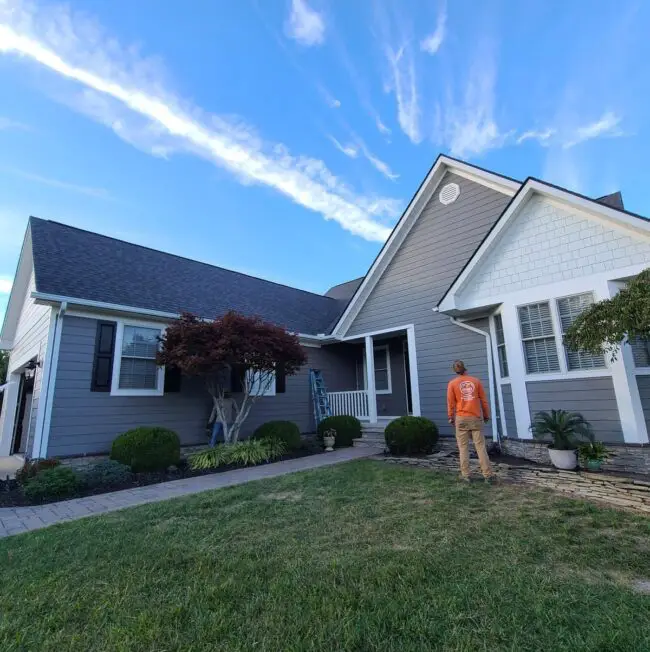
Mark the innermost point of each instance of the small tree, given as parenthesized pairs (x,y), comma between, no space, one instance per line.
(247,350)
(4,363)
(604,326)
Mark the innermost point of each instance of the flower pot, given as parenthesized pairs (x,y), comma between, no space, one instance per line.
(594,465)
(567,460)
(329,443)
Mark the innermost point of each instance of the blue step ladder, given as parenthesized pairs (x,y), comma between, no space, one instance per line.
(319,396)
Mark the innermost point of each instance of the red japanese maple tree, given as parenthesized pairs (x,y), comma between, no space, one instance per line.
(233,349)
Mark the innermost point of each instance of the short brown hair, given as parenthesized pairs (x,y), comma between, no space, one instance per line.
(459,366)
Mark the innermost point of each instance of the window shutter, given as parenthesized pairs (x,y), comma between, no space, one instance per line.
(103,362)
(280,379)
(236,376)
(172,379)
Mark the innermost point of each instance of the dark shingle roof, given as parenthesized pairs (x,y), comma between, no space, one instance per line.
(75,263)
(615,200)
(344,291)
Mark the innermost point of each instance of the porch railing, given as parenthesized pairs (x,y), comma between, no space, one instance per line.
(354,403)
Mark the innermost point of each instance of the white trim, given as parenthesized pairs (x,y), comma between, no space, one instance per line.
(117,362)
(414,209)
(497,370)
(8,417)
(641,371)
(383,331)
(568,375)
(370,379)
(413,368)
(49,364)
(386,348)
(612,216)
(405,352)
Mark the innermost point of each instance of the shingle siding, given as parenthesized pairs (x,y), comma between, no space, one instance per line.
(509,412)
(85,422)
(594,398)
(438,246)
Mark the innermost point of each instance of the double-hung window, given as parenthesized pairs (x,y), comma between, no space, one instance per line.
(501,346)
(135,370)
(538,336)
(569,308)
(383,380)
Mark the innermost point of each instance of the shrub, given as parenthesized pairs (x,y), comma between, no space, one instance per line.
(347,428)
(31,467)
(52,483)
(245,453)
(147,449)
(411,435)
(106,473)
(286,431)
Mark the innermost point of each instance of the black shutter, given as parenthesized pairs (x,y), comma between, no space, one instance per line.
(172,379)
(103,363)
(236,376)
(280,379)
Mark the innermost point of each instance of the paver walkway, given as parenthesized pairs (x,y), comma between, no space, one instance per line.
(14,520)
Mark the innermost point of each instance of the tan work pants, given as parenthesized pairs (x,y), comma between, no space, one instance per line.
(467,427)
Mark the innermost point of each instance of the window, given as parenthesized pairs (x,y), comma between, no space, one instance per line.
(538,337)
(135,369)
(641,352)
(383,380)
(263,384)
(501,346)
(569,308)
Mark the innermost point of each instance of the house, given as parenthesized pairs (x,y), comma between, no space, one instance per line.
(480,267)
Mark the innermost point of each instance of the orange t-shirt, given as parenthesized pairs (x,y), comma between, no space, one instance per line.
(466,397)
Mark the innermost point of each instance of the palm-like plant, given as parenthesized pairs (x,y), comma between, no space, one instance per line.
(562,427)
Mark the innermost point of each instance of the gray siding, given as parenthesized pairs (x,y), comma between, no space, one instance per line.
(643,383)
(509,411)
(594,398)
(85,422)
(434,252)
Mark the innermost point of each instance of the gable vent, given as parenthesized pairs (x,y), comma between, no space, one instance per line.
(449,194)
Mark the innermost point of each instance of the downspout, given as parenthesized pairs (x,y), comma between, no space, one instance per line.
(53,354)
(491,381)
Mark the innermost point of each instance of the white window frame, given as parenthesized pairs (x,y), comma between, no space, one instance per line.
(116,390)
(554,322)
(269,391)
(386,348)
(501,345)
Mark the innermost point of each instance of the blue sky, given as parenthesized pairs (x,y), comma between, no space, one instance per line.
(283,138)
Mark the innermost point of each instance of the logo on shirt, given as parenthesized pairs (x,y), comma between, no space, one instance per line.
(467,390)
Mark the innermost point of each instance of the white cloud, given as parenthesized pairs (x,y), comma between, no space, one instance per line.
(403,83)
(383,129)
(431,44)
(348,150)
(99,193)
(607,125)
(5,285)
(304,24)
(8,124)
(132,100)
(542,137)
(377,163)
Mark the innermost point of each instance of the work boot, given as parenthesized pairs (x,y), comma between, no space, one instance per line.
(464,479)
(491,479)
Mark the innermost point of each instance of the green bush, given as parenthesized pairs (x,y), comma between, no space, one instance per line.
(286,431)
(244,453)
(347,428)
(106,473)
(147,449)
(52,484)
(411,435)
(31,467)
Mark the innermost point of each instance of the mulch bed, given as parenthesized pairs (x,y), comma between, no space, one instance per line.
(11,494)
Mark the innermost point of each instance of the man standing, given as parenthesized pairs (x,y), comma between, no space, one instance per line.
(465,401)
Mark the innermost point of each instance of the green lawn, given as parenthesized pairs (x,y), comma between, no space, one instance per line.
(362,556)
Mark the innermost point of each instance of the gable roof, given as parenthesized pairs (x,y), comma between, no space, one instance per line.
(73,263)
(615,200)
(425,191)
(344,291)
(531,185)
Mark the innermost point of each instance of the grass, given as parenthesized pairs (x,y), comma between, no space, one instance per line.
(362,556)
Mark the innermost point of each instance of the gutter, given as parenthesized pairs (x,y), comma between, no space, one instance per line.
(491,380)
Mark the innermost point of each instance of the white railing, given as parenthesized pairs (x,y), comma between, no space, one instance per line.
(353,403)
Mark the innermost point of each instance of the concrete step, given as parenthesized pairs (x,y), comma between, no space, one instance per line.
(369,442)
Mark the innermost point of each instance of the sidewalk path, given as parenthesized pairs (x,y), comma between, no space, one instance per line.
(14,520)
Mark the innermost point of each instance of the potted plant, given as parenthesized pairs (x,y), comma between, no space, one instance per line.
(329,437)
(563,428)
(592,455)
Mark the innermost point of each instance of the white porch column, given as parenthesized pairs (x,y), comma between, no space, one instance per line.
(626,389)
(370,380)
(413,368)
(517,371)
(8,417)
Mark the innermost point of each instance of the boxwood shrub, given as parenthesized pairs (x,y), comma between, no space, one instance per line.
(147,449)
(31,467)
(106,473)
(347,428)
(411,435)
(286,431)
(52,484)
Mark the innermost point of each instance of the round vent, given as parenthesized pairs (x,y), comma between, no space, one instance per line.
(449,193)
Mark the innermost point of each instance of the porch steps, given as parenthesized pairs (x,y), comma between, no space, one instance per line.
(372,436)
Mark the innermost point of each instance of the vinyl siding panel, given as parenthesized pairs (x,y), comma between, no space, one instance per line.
(594,398)
(509,411)
(434,252)
(85,422)
(643,382)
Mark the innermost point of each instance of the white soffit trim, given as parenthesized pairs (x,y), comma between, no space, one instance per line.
(564,198)
(424,193)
